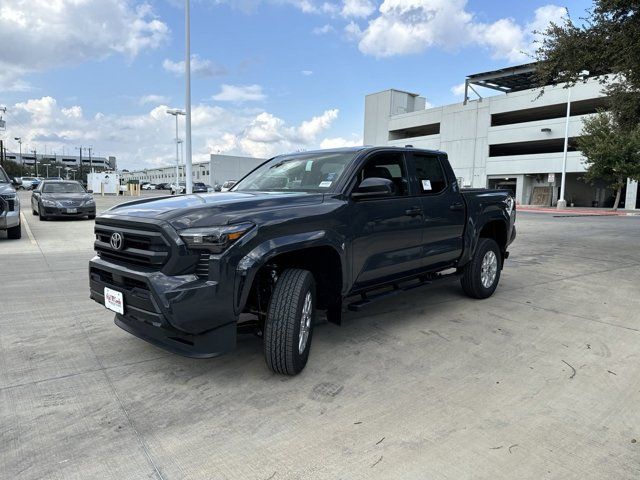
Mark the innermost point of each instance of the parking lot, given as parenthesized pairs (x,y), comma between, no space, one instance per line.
(542,380)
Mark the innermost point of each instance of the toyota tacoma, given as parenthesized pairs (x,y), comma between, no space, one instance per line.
(324,230)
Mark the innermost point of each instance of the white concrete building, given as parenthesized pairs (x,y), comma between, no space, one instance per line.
(71,161)
(217,170)
(513,141)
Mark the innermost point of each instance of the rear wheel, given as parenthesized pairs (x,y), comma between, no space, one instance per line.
(482,274)
(14,233)
(289,323)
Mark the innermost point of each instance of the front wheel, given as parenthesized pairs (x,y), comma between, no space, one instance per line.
(289,323)
(481,275)
(14,233)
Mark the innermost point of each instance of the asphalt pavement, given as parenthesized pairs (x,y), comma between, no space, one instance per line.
(540,381)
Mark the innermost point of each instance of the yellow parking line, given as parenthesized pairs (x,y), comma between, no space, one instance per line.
(32,239)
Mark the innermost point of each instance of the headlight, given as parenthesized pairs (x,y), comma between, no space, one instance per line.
(216,239)
(89,202)
(49,203)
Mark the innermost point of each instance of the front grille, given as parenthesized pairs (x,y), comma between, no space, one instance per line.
(147,248)
(202,267)
(117,280)
(7,203)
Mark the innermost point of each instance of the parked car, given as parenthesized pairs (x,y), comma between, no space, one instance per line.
(9,208)
(306,231)
(149,186)
(210,188)
(163,186)
(62,198)
(199,187)
(53,178)
(226,186)
(217,187)
(180,188)
(27,183)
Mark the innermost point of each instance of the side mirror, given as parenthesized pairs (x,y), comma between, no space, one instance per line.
(374,187)
(89,191)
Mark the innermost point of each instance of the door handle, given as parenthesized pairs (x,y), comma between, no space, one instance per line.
(414,211)
(456,206)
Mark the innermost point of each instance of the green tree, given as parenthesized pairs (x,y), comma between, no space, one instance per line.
(612,153)
(605,43)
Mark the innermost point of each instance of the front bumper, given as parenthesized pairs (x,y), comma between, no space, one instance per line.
(63,211)
(9,219)
(183,314)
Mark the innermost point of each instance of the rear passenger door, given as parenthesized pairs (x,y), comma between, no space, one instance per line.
(443,209)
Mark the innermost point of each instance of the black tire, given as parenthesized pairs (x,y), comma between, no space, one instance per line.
(33,212)
(42,216)
(14,233)
(92,217)
(471,280)
(283,323)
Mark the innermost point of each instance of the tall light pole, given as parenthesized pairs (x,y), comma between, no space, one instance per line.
(35,156)
(19,140)
(175,112)
(187,76)
(562,202)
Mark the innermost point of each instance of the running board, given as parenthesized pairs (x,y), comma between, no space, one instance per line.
(367,298)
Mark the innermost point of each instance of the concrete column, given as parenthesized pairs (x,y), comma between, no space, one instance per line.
(519,189)
(632,195)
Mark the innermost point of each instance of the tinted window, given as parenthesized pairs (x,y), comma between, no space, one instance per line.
(390,166)
(431,179)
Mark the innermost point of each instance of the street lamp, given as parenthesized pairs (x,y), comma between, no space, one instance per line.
(175,112)
(562,203)
(187,76)
(19,140)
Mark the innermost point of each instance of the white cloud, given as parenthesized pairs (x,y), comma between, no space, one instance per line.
(41,34)
(338,142)
(358,8)
(412,26)
(323,30)
(458,90)
(240,93)
(146,140)
(200,67)
(153,99)
(306,73)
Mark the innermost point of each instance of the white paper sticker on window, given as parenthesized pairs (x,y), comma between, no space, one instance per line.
(426,185)
(307,167)
(325,184)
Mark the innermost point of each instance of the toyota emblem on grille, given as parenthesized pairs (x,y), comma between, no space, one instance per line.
(116,241)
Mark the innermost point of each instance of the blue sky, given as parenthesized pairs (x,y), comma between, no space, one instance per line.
(270,75)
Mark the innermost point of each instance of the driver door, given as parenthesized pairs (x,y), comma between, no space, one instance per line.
(387,231)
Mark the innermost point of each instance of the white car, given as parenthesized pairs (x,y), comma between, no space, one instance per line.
(149,186)
(226,186)
(182,187)
(27,183)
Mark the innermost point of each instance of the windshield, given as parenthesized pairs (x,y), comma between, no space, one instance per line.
(313,172)
(3,176)
(62,187)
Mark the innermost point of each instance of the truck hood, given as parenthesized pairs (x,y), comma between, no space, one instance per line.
(207,209)
(6,188)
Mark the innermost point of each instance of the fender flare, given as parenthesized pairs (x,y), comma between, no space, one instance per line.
(260,255)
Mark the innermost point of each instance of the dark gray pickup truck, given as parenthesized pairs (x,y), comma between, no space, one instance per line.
(9,208)
(320,230)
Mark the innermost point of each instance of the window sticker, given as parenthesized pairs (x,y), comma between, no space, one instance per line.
(330,176)
(426,185)
(307,167)
(325,184)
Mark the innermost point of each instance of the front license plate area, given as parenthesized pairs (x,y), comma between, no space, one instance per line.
(72,210)
(114,300)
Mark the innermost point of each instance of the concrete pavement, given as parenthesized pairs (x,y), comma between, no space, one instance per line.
(540,381)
